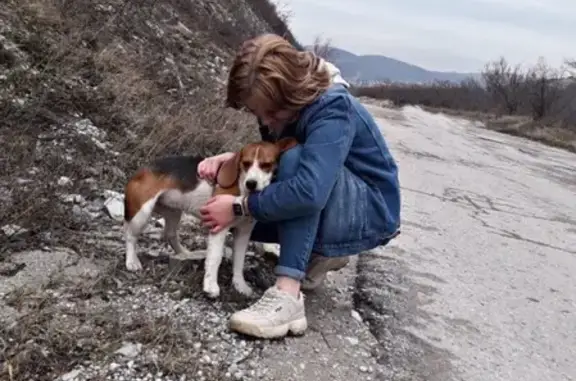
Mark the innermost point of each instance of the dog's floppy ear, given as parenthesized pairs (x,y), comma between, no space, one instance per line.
(228,173)
(286,143)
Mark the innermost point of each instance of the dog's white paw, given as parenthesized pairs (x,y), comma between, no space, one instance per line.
(133,265)
(242,287)
(211,289)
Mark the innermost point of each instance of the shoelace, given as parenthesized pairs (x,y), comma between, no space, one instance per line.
(264,303)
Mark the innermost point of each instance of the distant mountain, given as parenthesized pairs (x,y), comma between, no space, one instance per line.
(376,68)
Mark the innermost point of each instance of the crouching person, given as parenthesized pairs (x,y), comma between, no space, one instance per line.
(336,193)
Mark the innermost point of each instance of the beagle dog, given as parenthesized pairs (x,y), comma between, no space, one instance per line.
(170,186)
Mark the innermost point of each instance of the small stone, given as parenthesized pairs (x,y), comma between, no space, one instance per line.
(353,340)
(114,366)
(363,369)
(12,229)
(64,181)
(114,206)
(130,349)
(78,199)
(70,376)
(197,346)
(356,315)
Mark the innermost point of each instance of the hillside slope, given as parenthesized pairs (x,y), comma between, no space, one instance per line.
(89,90)
(377,68)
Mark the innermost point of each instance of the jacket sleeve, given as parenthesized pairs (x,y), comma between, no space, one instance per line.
(328,140)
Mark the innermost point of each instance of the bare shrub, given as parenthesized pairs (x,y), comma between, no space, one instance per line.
(504,84)
(322,47)
(468,95)
(544,89)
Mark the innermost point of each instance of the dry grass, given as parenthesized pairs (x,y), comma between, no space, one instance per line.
(148,76)
(126,67)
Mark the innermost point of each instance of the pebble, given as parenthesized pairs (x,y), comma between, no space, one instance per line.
(356,316)
(64,181)
(353,340)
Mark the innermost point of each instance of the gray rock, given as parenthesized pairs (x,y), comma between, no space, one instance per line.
(129,349)
(64,181)
(13,230)
(114,206)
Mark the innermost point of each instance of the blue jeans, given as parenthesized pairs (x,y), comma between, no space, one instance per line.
(298,237)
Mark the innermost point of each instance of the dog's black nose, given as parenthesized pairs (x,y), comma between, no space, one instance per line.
(251,184)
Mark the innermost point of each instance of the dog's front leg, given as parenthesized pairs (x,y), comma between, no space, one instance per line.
(212,263)
(241,240)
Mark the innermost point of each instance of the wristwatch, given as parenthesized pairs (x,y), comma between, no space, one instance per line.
(239,207)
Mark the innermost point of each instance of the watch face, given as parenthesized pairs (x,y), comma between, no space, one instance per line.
(237,208)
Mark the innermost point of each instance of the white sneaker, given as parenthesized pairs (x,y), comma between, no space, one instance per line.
(273,316)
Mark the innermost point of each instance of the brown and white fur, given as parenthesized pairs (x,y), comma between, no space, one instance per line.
(170,186)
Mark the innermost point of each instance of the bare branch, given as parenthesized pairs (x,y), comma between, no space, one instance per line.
(322,47)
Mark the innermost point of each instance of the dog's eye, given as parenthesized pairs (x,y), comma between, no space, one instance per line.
(266,166)
(246,164)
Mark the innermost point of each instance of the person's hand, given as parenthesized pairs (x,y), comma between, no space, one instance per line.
(208,168)
(217,213)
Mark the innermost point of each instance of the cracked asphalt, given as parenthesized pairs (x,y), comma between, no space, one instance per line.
(480,284)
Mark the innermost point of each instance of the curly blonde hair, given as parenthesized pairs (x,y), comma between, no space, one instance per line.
(272,72)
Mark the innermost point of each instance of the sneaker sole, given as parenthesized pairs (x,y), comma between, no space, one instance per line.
(295,327)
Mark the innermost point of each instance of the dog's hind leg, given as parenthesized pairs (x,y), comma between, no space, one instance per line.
(133,228)
(241,240)
(172,218)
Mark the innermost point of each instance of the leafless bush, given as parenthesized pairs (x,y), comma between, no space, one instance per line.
(504,83)
(322,47)
(544,89)
(468,95)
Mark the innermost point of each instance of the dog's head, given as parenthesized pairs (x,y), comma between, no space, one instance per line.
(253,167)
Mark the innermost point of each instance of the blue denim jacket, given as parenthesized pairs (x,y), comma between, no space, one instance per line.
(338,134)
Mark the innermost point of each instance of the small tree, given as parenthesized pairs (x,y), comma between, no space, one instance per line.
(571,67)
(322,47)
(504,84)
(544,88)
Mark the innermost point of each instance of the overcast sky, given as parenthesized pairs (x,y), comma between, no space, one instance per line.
(459,35)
